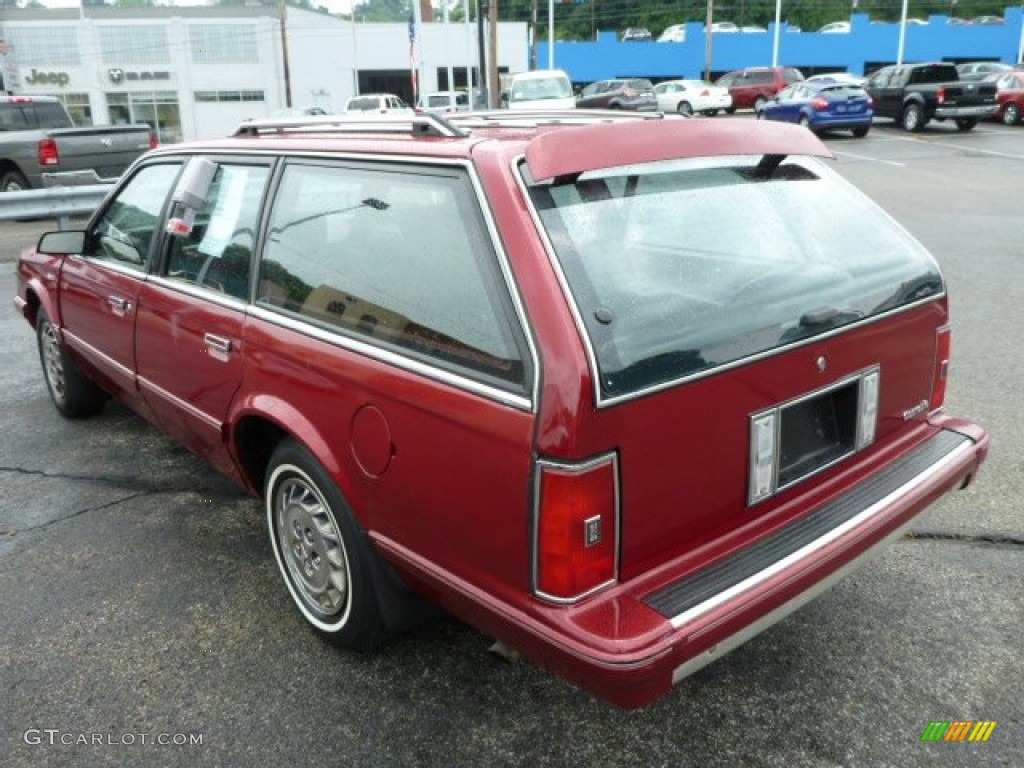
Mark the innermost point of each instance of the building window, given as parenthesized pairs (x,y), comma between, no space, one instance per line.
(219,96)
(44,45)
(77,105)
(158,109)
(222,43)
(134,44)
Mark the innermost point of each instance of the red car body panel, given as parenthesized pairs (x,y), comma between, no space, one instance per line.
(442,477)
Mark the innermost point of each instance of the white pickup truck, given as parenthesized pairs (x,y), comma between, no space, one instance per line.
(39,146)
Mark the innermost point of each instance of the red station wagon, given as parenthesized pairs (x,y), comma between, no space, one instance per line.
(613,389)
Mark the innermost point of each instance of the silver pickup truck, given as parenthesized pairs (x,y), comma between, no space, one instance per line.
(40,147)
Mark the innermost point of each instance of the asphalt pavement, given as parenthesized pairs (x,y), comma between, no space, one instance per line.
(143,620)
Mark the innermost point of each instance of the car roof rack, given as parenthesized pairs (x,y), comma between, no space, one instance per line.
(529,118)
(422,124)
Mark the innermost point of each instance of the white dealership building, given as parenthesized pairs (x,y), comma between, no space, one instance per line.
(194,72)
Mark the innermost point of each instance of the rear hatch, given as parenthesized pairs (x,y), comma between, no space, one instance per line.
(761,334)
(967,94)
(846,100)
(107,149)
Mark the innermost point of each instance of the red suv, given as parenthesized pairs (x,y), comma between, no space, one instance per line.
(751,88)
(530,371)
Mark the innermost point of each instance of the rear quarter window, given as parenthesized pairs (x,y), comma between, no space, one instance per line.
(397,259)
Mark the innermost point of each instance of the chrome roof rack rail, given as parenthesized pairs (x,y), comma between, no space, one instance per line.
(423,124)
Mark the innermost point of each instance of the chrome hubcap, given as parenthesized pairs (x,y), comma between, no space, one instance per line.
(311,547)
(52,362)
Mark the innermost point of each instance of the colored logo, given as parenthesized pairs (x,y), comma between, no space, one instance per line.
(958,730)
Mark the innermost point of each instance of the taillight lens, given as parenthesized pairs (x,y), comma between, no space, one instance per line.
(153,141)
(943,343)
(819,103)
(871,103)
(577,528)
(48,154)
(940,95)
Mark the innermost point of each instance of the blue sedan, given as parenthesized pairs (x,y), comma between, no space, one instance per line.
(822,106)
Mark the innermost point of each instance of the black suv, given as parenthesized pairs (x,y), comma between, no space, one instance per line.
(636,94)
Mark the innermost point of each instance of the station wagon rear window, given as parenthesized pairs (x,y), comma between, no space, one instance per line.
(678,268)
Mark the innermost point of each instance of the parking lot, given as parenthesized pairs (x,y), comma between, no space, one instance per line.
(144,622)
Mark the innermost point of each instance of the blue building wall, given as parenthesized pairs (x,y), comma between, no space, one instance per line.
(866,45)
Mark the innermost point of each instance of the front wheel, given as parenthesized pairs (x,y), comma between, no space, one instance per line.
(913,118)
(1011,115)
(323,554)
(71,392)
(759,103)
(966,123)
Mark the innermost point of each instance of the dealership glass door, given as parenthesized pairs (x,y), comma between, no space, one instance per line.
(158,109)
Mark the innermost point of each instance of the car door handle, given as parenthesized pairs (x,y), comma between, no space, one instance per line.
(217,346)
(119,306)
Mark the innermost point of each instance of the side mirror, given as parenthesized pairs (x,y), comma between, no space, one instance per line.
(64,241)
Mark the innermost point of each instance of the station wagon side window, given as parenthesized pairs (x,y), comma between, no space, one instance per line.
(125,232)
(397,259)
(216,253)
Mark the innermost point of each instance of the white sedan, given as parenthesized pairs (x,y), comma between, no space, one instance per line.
(689,96)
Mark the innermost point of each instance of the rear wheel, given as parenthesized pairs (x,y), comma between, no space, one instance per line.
(324,556)
(730,110)
(913,118)
(861,132)
(71,392)
(13,181)
(966,123)
(684,108)
(1011,115)
(710,112)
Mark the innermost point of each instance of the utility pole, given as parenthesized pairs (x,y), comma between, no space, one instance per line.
(484,85)
(495,83)
(533,34)
(707,39)
(284,54)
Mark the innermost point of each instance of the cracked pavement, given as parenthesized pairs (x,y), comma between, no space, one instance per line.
(139,595)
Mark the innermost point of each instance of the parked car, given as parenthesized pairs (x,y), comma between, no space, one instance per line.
(539,89)
(821,107)
(724,26)
(987,20)
(915,94)
(835,28)
(445,101)
(635,93)
(531,371)
(637,34)
(689,96)
(844,78)
(754,28)
(378,103)
(751,88)
(1010,96)
(299,111)
(674,34)
(979,70)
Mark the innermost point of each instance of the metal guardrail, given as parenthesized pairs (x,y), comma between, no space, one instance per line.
(60,203)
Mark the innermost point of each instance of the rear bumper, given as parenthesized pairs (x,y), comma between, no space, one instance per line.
(979,111)
(629,646)
(842,122)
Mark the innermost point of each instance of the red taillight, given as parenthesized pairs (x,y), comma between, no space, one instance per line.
(940,95)
(871,103)
(705,92)
(576,528)
(153,140)
(943,343)
(48,154)
(819,103)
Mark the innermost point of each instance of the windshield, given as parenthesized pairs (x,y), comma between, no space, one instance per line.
(680,267)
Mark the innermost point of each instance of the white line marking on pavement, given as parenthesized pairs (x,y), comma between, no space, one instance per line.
(866,157)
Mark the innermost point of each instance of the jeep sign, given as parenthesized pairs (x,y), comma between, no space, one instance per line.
(48,78)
